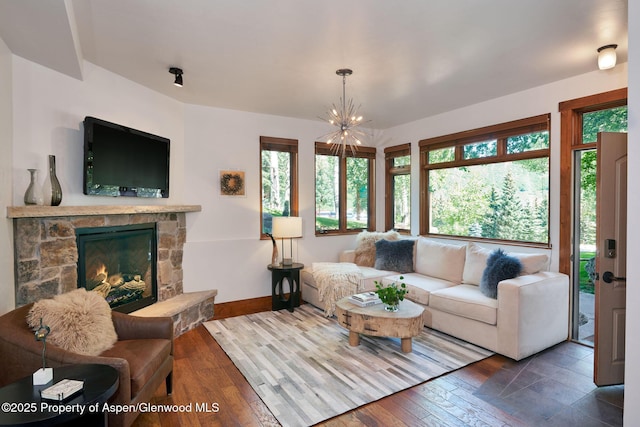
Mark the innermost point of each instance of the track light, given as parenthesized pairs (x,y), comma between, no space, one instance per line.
(607,56)
(178,74)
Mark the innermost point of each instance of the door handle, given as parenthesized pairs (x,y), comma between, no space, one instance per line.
(608,277)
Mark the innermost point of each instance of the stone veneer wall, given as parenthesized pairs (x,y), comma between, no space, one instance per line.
(46,253)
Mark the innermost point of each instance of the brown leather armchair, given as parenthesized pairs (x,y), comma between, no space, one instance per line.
(143,356)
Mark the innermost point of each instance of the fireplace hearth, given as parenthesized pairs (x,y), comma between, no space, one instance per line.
(119,263)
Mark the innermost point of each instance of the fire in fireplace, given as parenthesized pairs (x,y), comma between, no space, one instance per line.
(119,263)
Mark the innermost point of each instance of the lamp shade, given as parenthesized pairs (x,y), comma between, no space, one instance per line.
(286,227)
(607,57)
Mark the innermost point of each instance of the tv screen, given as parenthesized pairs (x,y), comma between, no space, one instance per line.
(120,161)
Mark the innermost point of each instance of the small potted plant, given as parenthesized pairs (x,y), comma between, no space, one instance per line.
(392,294)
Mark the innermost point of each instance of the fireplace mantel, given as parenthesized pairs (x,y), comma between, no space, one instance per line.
(56,211)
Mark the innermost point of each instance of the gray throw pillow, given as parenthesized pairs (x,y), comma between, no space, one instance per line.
(500,266)
(395,255)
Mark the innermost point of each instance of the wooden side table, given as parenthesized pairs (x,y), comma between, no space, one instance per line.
(374,320)
(279,274)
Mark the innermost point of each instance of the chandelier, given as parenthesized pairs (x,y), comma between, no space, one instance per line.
(346,119)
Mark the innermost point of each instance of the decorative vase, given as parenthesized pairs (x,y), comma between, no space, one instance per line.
(392,307)
(33,195)
(56,190)
(274,253)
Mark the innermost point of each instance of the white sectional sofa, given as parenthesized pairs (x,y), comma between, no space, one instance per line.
(531,311)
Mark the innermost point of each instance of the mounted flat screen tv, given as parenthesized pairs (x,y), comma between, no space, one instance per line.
(120,161)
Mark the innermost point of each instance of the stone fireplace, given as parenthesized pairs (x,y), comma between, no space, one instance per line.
(47,257)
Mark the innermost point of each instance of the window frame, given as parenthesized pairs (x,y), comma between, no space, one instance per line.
(322,148)
(390,154)
(268,143)
(500,132)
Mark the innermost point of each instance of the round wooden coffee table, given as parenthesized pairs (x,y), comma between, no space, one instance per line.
(374,320)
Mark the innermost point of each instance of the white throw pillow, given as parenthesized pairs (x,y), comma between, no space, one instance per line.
(440,260)
(475,263)
(531,263)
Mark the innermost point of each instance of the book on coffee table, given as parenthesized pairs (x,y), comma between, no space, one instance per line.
(62,390)
(365,299)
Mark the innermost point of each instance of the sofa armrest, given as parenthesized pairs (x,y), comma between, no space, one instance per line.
(533,313)
(348,255)
(130,327)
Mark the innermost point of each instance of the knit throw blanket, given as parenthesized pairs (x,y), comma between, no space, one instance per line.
(336,281)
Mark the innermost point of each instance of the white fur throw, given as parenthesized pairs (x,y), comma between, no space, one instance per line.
(80,321)
(336,281)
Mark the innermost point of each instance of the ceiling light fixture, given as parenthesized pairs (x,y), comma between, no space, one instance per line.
(347,120)
(178,74)
(607,56)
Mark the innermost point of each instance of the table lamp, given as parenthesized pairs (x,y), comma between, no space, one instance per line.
(287,227)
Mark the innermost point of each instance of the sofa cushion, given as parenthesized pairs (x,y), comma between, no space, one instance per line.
(419,286)
(145,357)
(365,252)
(531,263)
(465,301)
(475,263)
(500,266)
(395,255)
(440,260)
(79,321)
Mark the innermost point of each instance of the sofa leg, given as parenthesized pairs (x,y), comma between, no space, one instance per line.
(169,383)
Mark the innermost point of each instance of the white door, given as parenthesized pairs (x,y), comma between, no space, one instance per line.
(611,259)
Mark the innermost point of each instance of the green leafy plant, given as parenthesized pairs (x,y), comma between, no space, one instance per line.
(393,293)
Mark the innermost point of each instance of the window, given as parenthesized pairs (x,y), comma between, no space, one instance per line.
(344,190)
(606,120)
(278,180)
(489,183)
(398,188)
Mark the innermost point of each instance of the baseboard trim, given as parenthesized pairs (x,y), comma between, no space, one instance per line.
(241,307)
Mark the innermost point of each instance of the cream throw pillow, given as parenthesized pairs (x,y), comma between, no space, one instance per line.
(531,263)
(365,252)
(440,260)
(475,263)
(80,321)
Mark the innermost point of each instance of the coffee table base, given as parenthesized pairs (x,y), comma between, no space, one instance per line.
(405,343)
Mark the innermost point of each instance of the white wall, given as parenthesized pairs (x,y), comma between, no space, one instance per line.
(223,249)
(536,101)
(632,355)
(48,111)
(7,289)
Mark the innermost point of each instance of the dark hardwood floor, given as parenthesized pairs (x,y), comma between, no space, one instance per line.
(552,388)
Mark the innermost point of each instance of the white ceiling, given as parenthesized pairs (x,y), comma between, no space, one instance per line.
(411,58)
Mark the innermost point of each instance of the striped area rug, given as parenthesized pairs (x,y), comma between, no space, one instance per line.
(302,367)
